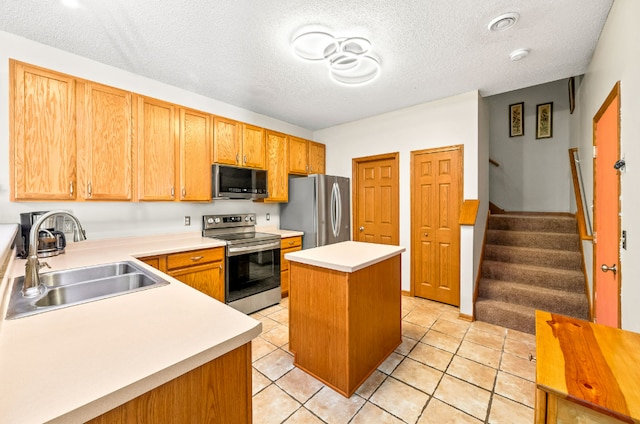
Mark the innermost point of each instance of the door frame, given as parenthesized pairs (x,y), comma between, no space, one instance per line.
(414,153)
(615,92)
(355,162)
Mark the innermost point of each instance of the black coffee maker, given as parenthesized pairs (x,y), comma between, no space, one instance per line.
(51,239)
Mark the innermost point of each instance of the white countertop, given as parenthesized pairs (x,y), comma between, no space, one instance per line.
(347,256)
(72,364)
(283,233)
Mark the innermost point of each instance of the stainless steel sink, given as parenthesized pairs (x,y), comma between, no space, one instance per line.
(81,285)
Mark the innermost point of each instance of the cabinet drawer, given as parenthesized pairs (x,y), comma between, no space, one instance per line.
(291,242)
(194,257)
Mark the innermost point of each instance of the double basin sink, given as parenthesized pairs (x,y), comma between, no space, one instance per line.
(81,285)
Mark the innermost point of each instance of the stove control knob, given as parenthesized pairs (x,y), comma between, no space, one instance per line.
(251,218)
(216,220)
(209,220)
(246,218)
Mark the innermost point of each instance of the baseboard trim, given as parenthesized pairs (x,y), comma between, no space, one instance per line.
(466,317)
(406,293)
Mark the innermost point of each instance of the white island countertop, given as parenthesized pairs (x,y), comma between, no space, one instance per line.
(72,364)
(347,256)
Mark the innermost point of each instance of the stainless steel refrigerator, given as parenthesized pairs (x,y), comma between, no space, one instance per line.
(319,206)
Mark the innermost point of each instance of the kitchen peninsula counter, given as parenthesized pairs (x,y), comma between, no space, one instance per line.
(344,310)
(76,363)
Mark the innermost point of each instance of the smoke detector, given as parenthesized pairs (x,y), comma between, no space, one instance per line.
(503,22)
(519,54)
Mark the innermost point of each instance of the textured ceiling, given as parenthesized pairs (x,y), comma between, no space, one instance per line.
(239,51)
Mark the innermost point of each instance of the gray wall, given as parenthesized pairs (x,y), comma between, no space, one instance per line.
(533,175)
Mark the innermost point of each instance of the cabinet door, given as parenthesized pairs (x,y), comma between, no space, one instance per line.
(253,146)
(209,278)
(226,141)
(288,245)
(156,150)
(195,156)
(298,156)
(42,134)
(316,158)
(277,177)
(105,169)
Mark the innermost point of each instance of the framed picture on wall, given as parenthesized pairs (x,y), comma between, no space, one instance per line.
(516,119)
(544,120)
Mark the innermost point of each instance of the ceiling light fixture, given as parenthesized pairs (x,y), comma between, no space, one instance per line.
(71,4)
(519,54)
(348,59)
(503,22)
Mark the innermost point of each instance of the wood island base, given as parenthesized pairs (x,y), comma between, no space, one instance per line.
(343,325)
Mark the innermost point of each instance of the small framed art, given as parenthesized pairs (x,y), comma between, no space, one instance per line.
(516,119)
(544,120)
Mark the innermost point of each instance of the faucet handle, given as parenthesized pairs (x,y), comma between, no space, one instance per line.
(43,264)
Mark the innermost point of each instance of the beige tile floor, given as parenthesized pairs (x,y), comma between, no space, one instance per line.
(445,371)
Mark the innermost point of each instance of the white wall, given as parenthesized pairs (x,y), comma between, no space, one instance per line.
(534,175)
(617,58)
(112,219)
(445,122)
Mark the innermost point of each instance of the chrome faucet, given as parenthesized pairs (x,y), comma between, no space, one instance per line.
(31,286)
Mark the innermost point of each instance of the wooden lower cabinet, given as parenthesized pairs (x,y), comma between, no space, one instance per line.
(343,325)
(288,245)
(201,269)
(216,392)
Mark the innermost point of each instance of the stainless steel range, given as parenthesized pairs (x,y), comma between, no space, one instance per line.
(252,268)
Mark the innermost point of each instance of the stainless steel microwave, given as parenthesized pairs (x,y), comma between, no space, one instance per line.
(232,182)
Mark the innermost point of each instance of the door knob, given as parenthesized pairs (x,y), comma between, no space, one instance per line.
(606,268)
(361,228)
(426,234)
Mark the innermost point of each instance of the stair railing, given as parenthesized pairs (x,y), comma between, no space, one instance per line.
(582,213)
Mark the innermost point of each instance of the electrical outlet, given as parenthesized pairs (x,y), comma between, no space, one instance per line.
(187,220)
(268,216)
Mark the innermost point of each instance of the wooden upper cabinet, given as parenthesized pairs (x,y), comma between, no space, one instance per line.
(226,141)
(238,144)
(277,177)
(42,134)
(156,149)
(105,149)
(253,146)
(195,155)
(316,154)
(298,156)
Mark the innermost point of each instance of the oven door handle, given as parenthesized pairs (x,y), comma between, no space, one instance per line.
(235,251)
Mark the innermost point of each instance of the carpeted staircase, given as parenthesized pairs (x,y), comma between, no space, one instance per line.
(531,262)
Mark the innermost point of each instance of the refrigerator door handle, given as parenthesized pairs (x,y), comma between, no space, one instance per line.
(338,209)
(334,210)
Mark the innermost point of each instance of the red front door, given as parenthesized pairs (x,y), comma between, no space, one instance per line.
(606,128)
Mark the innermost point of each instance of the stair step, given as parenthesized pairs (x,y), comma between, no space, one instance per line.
(532,256)
(551,300)
(516,317)
(555,241)
(540,223)
(552,278)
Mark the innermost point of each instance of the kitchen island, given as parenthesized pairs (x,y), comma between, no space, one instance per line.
(344,310)
(163,350)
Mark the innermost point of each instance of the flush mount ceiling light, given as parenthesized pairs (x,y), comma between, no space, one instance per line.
(72,4)
(348,59)
(503,22)
(519,54)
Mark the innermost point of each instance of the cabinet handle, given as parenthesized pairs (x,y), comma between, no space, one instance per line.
(89,188)
(237,157)
(173,192)
(307,167)
(245,159)
(184,192)
(290,243)
(70,188)
(196,258)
